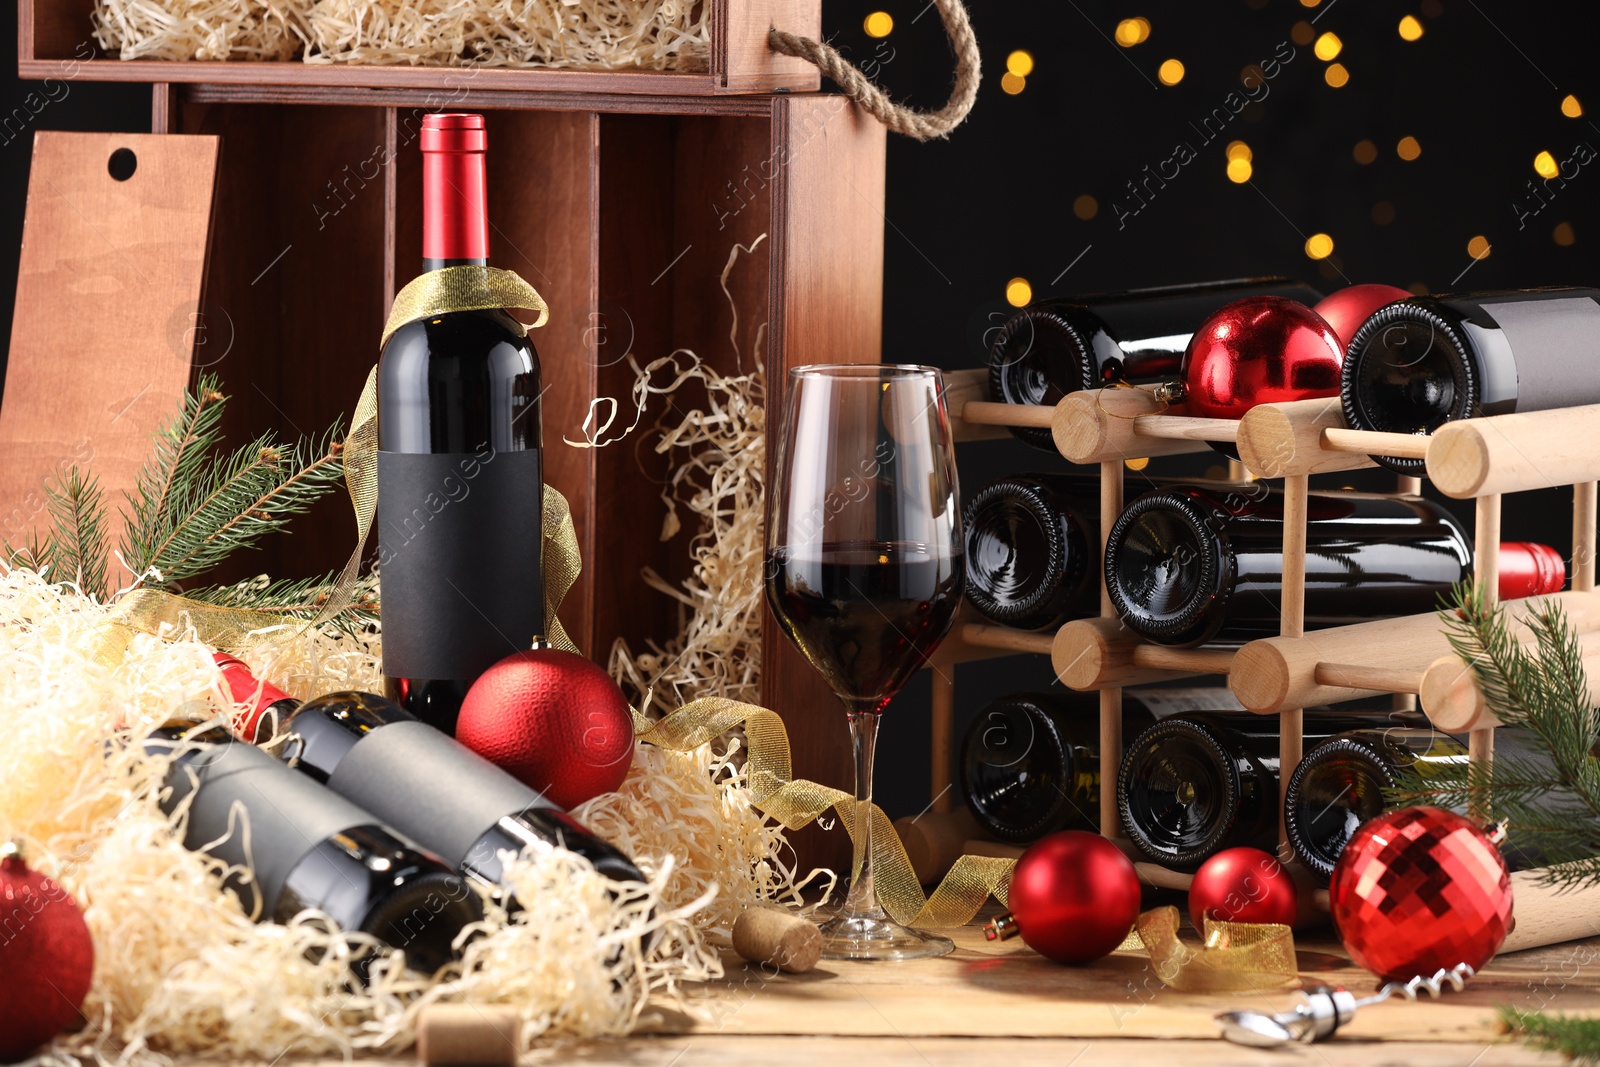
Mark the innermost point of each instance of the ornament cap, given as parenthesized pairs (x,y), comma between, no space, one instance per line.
(1001,928)
(11,851)
(538,643)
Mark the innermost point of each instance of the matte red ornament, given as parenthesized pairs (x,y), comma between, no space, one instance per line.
(1419,890)
(1074,896)
(555,720)
(1242,885)
(1348,308)
(1260,350)
(46,958)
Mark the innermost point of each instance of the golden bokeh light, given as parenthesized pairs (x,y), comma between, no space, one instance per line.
(1137,464)
(878,24)
(1086,207)
(1012,84)
(1410,28)
(1171,72)
(1336,75)
(1239,170)
(1570,107)
(1328,47)
(1133,31)
(1319,246)
(1239,150)
(1545,166)
(1365,152)
(1018,292)
(1408,149)
(1309,3)
(1563,235)
(1301,33)
(1020,63)
(1478,247)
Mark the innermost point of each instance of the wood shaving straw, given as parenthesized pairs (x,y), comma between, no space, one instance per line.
(720,479)
(180,970)
(589,34)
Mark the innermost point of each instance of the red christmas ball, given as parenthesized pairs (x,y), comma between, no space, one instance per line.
(46,958)
(1419,890)
(1348,308)
(553,719)
(1242,885)
(1260,350)
(1074,896)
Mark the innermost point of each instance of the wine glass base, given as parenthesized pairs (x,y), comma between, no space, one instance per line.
(865,937)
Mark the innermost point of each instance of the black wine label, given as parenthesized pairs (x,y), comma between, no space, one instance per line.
(459,560)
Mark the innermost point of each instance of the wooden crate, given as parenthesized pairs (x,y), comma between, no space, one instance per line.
(55,39)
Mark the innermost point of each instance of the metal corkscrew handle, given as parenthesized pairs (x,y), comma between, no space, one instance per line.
(1326,1009)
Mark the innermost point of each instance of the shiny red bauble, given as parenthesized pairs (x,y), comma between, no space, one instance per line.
(1074,896)
(1242,885)
(1419,890)
(1348,308)
(553,719)
(46,959)
(1260,350)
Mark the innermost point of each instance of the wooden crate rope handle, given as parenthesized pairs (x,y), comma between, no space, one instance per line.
(923,125)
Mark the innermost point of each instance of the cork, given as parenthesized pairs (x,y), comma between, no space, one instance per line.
(934,841)
(458,1035)
(784,940)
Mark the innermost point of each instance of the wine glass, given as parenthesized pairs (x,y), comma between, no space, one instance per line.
(864,570)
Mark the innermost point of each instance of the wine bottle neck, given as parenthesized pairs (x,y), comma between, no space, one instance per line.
(264,700)
(455,216)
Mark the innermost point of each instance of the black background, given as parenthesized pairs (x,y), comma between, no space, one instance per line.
(1480,91)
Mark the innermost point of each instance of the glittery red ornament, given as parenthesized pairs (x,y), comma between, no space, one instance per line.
(1074,896)
(1348,308)
(553,719)
(1419,890)
(46,958)
(1260,350)
(1242,885)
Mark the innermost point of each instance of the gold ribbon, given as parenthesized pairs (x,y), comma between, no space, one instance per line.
(463,289)
(1236,957)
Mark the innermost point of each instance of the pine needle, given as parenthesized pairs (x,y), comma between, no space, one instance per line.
(1577,1038)
(77,546)
(297,598)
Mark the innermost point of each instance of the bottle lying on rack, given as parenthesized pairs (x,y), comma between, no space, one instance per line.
(1343,782)
(1055,347)
(1195,784)
(428,786)
(1187,564)
(459,466)
(1031,544)
(300,845)
(1419,363)
(1030,762)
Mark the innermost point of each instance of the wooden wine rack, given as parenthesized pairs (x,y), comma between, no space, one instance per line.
(1479,459)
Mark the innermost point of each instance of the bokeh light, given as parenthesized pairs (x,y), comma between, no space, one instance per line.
(1570,107)
(1478,247)
(1020,63)
(1018,292)
(1133,31)
(878,24)
(1408,149)
(1239,150)
(1309,3)
(1239,170)
(1410,28)
(1336,75)
(1328,47)
(1086,207)
(1545,166)
(1171,72)
(1365,152)
(1012,84)
(1301,33)
(1137,464)
(1563,235)
(1319,246)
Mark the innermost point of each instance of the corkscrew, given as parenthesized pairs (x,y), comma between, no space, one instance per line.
(1327,1008)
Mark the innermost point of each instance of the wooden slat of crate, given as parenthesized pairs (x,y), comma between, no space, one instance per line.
(55,40)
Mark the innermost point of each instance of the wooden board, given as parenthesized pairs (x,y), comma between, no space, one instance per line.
(108,290)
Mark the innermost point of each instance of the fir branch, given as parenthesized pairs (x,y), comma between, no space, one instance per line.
(1575,1037)
(296,598)
(77,546)
(177,457)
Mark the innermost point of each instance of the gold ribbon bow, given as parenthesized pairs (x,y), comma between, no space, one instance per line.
(1236,957)
(463,289)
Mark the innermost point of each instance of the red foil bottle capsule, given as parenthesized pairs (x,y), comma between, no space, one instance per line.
(1530,569)
(455,212)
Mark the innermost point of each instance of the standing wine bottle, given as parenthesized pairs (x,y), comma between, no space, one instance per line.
(1419,363)
(459,477)
(1031,544)
(1195,784)
(1030,762)
(1059,346)
(300,845)
(430,787)
(1188,564)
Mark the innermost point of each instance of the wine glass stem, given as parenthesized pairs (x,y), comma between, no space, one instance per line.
(863,898)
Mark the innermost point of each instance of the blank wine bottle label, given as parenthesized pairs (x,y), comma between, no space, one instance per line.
(439,793)
(1558,342)
(459,560)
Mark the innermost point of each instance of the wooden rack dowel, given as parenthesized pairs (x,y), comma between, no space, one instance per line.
(1100,654)
(1276,440)
(981,635)
(1549,915)
(1185,428)
(962,387)
(942,723)
(1510,453)
(1375,443)
(1187,660)
(1583,535)
(1455,704)
(989,413)
(1360,676)
(1103,425)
